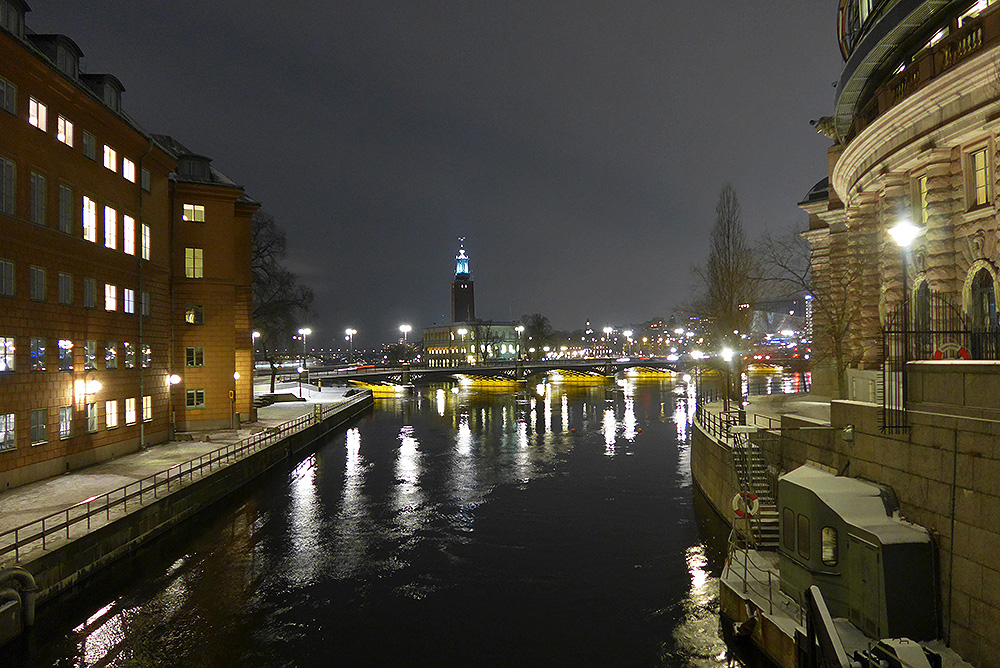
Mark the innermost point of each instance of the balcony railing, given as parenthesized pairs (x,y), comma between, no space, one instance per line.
(79,519)
(971,38)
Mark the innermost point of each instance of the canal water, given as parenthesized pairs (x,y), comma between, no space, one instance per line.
(555,526)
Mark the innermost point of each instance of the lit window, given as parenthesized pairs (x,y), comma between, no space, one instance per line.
(110,297)
(111,413)
(39,418)
(145,242)
(36,284)
(90,354)
(110,227)
(64,131)
(37,113)
(8,96)
(65,421)
(89,219)
(829,546)
(194,213)
(128,170)
(111,355)
(975,10)
(7,431)
(980,178)
(194,356)
(194,314)
(6,353)
(128,352)
(128,300)
(65,289)
(36,213)
(6,187)
(147,408)
(194,264)
(110,158)
(128,234)
(6,278)
(89,293)
(130,410)
(195,399)
(91,418)
(65,355)
(90,145)
(65,209)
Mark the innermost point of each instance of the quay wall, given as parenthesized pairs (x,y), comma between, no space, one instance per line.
(945,471)
(58,569)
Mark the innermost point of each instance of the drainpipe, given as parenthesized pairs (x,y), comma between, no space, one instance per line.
(28,594)
(142,316)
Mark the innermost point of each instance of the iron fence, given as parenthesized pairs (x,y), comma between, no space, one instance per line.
(78,520)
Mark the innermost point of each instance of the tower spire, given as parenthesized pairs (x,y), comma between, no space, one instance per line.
(461,261)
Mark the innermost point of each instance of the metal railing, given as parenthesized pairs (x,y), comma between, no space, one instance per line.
(756,578)
(78,520)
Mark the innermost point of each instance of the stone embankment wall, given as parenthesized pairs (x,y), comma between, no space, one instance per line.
(56,570)
(945,471)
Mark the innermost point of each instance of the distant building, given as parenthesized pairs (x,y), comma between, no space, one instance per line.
(467,340)
(124,260)
(463,290)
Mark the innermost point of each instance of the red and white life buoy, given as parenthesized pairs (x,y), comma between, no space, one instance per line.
(745,504)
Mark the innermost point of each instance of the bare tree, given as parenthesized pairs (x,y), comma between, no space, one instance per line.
(537,332)
(279,301)
(788,262)
(731,276)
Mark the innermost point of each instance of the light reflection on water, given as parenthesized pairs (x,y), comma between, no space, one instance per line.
(472,528)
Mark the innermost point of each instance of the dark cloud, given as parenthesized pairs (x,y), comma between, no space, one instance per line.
(578,146)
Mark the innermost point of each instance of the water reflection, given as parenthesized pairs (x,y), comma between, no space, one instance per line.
(305,522)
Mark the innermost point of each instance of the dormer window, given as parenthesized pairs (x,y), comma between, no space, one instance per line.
(12,17)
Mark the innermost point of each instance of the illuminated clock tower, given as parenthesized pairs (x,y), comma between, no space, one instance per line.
(463,298)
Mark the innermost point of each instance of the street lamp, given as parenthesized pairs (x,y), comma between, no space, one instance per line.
(727,355)
(304,332)
(520,330)
(628,340)
(903,233)
(350,337)
(607,336)
(405,329)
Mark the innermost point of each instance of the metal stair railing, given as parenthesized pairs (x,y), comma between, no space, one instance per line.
(754,478)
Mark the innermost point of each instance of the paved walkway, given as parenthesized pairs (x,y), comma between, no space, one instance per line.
(30,502)
(773,406)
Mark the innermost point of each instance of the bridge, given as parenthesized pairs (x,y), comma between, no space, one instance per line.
(519,370)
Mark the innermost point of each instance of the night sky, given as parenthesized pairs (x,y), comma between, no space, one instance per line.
(580,147)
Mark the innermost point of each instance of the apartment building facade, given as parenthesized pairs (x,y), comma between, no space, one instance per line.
(92,271)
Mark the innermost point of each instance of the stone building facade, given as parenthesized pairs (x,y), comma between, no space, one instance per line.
(916,130)
(94,270)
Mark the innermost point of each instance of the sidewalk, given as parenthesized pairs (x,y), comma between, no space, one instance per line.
(30,502)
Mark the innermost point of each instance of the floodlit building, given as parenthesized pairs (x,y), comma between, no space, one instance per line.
(124,261)
(467,340)
(915,127)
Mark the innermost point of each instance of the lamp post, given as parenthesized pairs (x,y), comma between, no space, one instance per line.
(628,341)
(304,332)
(903,233)
(607,336)
(405,329)
(350,337)
(520,330)
(727,355)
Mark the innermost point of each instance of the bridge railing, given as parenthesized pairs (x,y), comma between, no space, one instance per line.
(79,519)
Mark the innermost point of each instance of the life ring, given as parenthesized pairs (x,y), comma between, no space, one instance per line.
(745,504)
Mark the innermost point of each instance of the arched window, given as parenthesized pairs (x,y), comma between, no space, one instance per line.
(983,316)
(983,305)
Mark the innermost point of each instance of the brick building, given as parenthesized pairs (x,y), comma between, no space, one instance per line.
(124,261)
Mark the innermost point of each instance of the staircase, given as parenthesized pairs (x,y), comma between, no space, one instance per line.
(752,472)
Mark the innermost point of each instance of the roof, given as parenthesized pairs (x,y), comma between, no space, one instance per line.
(193,167)
(860,503)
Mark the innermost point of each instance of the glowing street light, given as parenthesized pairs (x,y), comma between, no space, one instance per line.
(304,332)
(350,337)
(462,331)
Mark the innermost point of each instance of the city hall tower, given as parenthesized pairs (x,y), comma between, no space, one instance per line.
(463,298)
